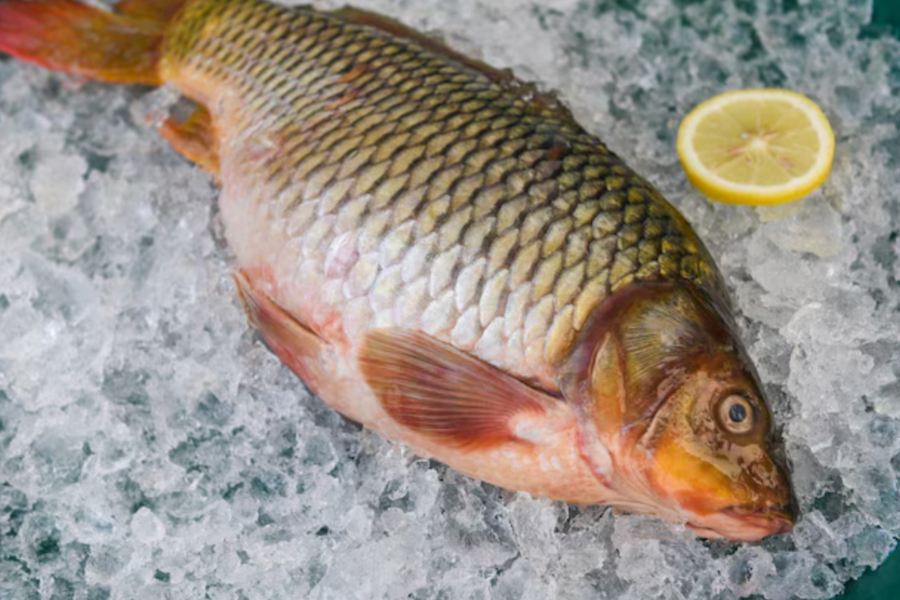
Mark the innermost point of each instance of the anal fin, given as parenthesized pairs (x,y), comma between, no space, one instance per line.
(194,137)
(444,393)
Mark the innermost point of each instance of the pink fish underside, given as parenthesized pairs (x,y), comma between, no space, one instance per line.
(495,428)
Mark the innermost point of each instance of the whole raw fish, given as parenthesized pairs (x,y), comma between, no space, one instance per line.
(444,255)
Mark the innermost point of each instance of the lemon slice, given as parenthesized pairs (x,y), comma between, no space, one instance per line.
(763,146)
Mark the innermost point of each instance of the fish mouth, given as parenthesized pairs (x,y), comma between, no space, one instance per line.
(746,523)
(777,520)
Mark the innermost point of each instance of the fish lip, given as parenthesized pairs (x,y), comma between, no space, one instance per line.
(745,523)
(777,519)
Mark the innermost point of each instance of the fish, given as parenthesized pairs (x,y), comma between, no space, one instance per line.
(444,255)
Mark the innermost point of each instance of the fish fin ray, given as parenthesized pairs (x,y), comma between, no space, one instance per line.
(194,138)
(445,393)
(289,338)
(608,385)
(68,36)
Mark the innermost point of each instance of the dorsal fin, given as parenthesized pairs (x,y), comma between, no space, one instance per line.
(154,10)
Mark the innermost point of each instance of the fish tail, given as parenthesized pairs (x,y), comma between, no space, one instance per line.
(120,46)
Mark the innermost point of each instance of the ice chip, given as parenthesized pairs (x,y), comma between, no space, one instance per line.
(146,526)
(814,228)
(57,182)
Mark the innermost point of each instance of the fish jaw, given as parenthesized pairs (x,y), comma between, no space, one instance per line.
(739,525)
(723,484)
(715,504)
(627,470)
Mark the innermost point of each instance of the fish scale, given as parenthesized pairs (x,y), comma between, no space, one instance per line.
(398,211)
(526,222)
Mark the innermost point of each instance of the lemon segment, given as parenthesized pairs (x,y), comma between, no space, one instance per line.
(760,146)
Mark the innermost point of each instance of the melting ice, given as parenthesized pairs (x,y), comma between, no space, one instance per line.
(151,447)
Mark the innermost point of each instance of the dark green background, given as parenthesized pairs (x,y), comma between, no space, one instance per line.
(886,17)
(883,584)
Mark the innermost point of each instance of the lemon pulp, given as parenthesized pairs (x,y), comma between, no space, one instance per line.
(760,146)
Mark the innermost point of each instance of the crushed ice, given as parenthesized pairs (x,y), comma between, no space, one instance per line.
(151,447)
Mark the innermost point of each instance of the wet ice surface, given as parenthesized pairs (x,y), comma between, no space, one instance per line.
(151,447)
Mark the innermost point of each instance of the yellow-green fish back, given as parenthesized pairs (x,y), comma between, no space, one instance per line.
(406,186)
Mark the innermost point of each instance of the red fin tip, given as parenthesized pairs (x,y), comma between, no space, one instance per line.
(68,36)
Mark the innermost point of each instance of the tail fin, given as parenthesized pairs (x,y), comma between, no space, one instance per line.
(65,35)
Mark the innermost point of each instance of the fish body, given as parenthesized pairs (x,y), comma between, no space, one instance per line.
(444,255)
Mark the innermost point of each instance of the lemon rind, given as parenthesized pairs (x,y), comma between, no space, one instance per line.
(723,190)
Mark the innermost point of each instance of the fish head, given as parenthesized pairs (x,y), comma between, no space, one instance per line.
(708,454)
(673,418)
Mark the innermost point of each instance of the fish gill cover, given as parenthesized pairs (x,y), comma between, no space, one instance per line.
(151,445)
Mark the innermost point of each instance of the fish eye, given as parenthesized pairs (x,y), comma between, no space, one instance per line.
(736,414)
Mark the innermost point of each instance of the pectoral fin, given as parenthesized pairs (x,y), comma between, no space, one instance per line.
(441,392)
